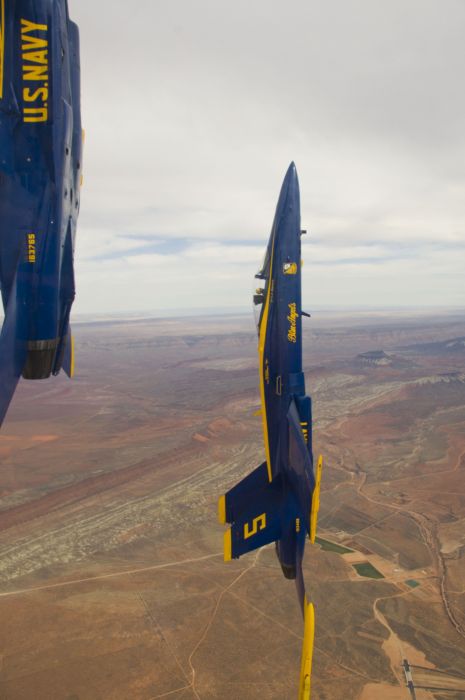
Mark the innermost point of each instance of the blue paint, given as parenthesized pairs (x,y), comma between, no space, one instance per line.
(285,501)
(40,174)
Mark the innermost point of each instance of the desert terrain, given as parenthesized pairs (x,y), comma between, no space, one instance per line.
(112,583)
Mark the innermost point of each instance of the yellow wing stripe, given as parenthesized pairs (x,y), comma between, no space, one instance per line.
(261,355)
(316,501)
(2,43)
(227,545)
(307,652)
(222,509)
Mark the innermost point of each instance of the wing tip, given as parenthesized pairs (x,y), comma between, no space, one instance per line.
(316,500)
(222,510)
(227,545)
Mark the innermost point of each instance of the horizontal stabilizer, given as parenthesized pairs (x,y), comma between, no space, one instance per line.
(300,466)
(257,525)
(13,345)
(307,652)
(238,499)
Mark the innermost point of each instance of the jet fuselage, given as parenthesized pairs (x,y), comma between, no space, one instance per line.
(280,357)
(40,177)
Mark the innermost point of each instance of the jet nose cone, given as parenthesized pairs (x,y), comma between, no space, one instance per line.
(291,173)
(290,187)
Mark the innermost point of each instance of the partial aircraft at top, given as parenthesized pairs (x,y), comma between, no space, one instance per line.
(40,178)
(279,501)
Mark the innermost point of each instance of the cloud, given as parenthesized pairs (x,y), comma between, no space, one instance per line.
(194,110)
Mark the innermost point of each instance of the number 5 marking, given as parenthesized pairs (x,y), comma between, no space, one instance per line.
(258,523)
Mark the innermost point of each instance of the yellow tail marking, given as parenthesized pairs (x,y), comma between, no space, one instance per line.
(316,501)
(261,355)
(2,44)
(71,369)
(307,652)
(222,509)
(258,523)
(227,543)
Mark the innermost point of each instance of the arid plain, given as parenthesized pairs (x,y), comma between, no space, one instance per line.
(112,584)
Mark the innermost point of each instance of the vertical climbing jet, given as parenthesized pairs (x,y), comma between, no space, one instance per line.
(40,178)
(278,502)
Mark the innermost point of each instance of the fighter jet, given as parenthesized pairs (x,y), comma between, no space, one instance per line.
(279,501)
(40,179)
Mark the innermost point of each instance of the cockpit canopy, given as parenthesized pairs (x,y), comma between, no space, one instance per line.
(259,298)
(260,286)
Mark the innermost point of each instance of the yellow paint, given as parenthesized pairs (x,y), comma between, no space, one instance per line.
(31,247)
(290,268)
(307,652)
(71,369)
(304,426)
(263,365)
(35,114)
(227,544)
(2,43)
(292,318)
(27,26)
(258,523)
(35,70)
(297,524)
(222,509)
(316,500)
(258,413)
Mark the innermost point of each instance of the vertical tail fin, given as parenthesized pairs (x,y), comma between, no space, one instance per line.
(300,471)
(65,355)
(307,652)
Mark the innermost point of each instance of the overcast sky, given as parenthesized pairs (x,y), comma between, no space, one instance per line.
(194,110)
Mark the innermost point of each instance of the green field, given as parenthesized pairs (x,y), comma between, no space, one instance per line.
(328,546)
(367,570)
(413,584)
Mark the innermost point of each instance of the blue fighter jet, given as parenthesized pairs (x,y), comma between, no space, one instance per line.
(40,179)
(279,501)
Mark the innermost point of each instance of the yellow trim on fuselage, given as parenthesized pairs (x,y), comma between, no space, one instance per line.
(2,44)
(261,355)
(307,652)
(316,500)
